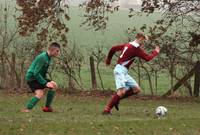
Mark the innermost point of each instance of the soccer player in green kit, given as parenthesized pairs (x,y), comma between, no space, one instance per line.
(37,81)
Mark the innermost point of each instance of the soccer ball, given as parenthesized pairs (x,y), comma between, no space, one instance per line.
(161,111)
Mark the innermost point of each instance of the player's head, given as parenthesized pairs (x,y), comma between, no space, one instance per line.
(141,37)
(54,49)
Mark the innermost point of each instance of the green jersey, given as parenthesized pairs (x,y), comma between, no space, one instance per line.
(38,69)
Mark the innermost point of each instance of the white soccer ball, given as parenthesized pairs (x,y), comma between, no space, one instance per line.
(161,111)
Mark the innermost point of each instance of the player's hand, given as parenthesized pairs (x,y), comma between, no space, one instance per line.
(107,62)
(142,46)
(50,85)
(54,84)
(157,49)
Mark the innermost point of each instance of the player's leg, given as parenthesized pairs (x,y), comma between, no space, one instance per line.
(121,88)
(114,100)
(127,94)
(132,88)
(38,89)
(39,93)
(50,97)
(132,91)
(49,100)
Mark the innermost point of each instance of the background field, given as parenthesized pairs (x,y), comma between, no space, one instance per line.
(76,115)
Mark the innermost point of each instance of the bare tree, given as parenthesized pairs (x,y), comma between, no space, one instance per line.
(99,58)
(71,61)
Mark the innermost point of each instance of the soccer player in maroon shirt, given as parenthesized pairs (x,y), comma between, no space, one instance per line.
(125,84)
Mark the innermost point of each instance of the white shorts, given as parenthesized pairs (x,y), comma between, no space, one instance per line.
(123,79)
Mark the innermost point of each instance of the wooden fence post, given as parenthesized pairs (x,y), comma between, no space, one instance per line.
(197,79)
(93,75)
(13,64)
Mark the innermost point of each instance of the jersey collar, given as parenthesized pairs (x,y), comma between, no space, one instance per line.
(48,55)
(135,44)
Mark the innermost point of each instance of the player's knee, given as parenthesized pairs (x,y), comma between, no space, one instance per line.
(137,90)
(39,94)
(121,92)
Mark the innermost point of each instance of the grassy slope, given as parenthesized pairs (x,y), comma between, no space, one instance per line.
(81,116)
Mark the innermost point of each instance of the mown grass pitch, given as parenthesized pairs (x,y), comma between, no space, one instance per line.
(75,115)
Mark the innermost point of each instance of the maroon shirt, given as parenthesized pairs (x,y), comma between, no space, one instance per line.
(128,52)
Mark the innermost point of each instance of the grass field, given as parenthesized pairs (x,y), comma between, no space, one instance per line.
(77,115)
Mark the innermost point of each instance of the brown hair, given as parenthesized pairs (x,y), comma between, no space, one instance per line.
(55,44)
(140,35)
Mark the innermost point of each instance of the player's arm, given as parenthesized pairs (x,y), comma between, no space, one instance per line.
(40,62)
(147,57)
(112,51)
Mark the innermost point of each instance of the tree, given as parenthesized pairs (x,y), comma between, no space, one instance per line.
(45,18)
(99,57)
(70,62)
(177,33)
(96,13)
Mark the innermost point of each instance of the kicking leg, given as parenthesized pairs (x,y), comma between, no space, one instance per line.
(130,92)
(114,100)
(132,88)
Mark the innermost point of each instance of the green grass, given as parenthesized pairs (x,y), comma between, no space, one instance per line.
(82,116)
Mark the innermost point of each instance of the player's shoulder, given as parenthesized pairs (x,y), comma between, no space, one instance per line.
(134,44)
(41,56)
